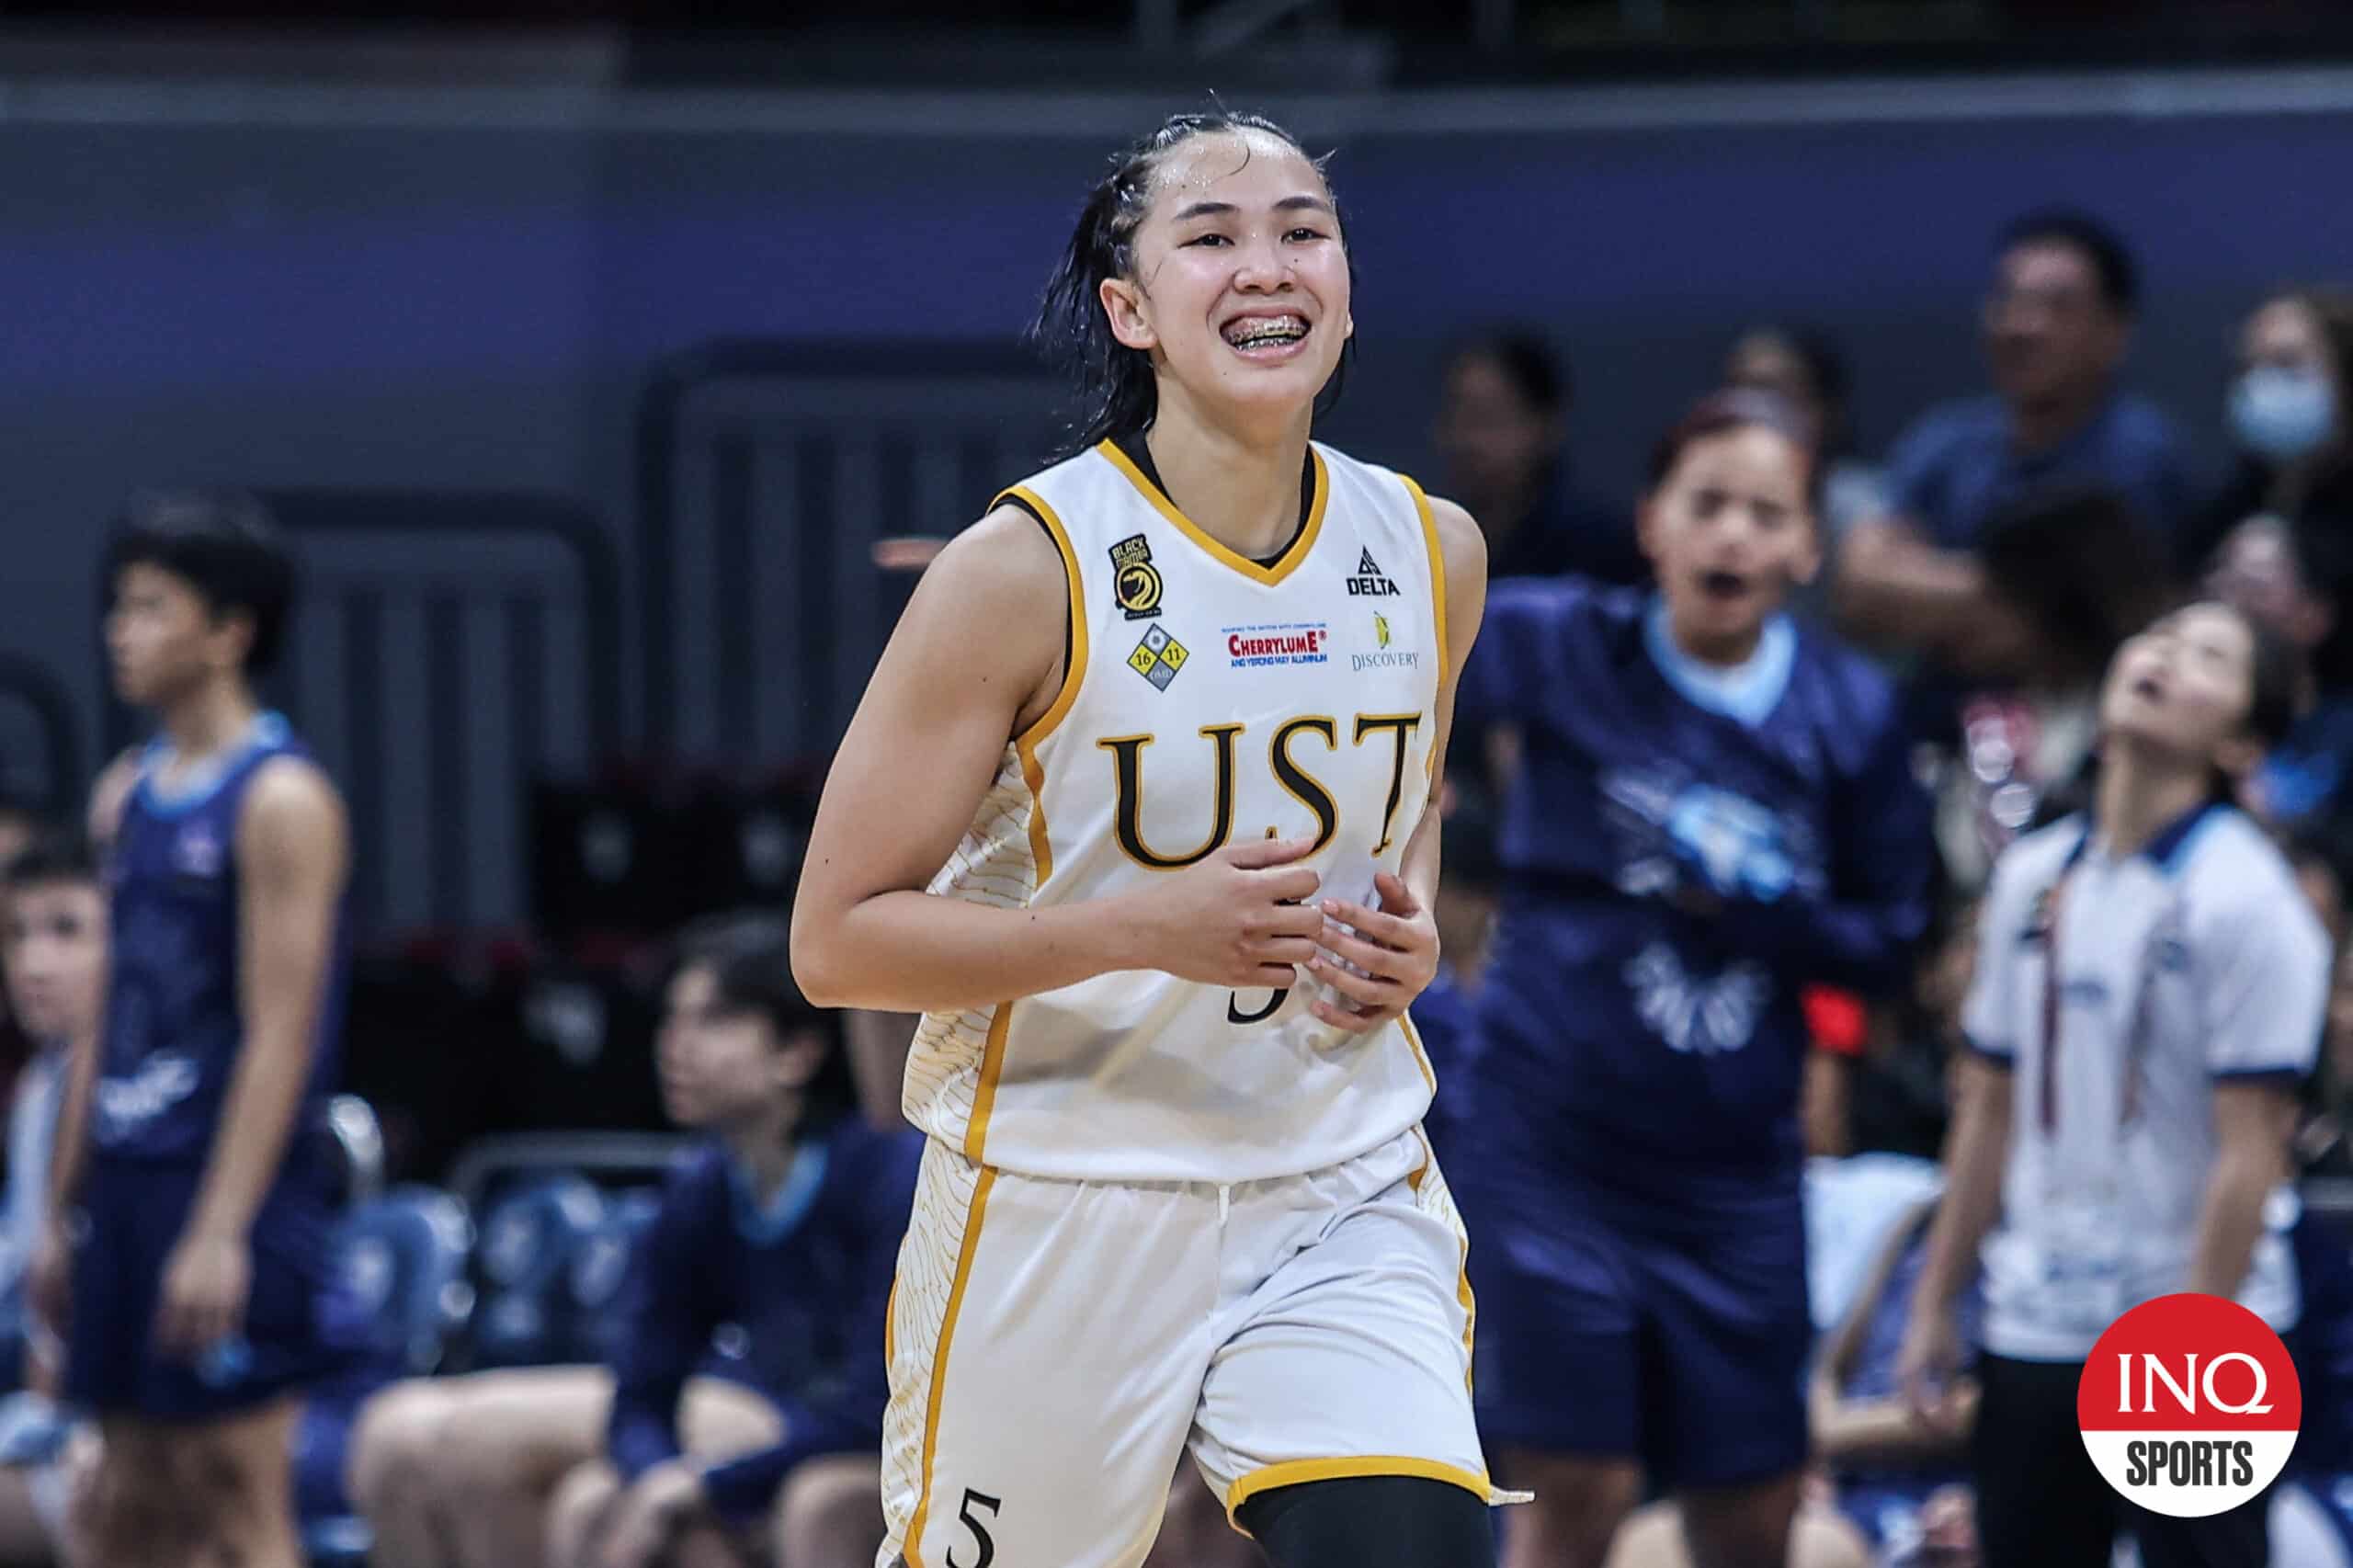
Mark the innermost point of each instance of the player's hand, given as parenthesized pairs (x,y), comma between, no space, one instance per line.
(49,1277)
(650,1515)
(1242,919)
(1395,946)
(1927,1371)
(205,1283)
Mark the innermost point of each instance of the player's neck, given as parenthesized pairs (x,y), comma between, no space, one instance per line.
(763,1147)
(210,718)
(1242,490)
(1725,652)
(2142,793)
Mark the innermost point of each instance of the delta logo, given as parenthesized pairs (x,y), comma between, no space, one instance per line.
(1290,642)
(1371,581)
(2189,1405)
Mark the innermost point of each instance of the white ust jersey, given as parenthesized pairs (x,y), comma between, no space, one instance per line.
(1210,700)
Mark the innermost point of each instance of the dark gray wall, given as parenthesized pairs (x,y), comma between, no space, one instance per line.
(318,300)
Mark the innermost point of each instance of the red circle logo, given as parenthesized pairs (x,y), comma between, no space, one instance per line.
(2189,1405)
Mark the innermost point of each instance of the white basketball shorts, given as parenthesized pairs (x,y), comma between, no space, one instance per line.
(1055,1345)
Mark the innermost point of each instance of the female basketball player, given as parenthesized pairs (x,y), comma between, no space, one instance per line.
(1133,809)
(2149,991)
(1714,809)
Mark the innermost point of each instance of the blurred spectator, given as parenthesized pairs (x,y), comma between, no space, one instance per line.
(2072,565)
(2286,409)
(53,946)
(1884,1484)
(18,823)
(1891,1469)
(1806,368)
(1897,1100)
(782,1223)
(2292,577)
(1503,430)
(1715,809)
(2056,326)
(1465,912)
(2144,1167)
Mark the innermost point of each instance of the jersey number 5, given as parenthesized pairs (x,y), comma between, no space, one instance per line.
(979,1532)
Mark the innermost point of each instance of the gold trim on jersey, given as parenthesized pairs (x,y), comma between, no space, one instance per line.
(1298,1472)
(1025,744)
(912,1545)
(1421,1057)
(1438,574)
(1285,565)
(976,1124)
(1431,1193)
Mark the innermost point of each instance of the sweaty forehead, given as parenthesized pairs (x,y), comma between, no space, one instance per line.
(1249,168)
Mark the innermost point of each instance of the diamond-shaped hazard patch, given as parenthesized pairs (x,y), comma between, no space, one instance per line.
(1158,657)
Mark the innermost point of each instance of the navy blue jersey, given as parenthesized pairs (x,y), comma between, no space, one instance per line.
(175,1014)
(1684,849)
(801,1283)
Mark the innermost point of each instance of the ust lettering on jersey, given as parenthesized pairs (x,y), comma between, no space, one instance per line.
(1209,699)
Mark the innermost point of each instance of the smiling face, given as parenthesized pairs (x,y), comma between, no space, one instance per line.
(1240,286)
(1730,531)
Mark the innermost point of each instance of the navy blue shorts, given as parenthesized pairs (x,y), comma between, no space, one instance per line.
(1676,1338)
(135,1213)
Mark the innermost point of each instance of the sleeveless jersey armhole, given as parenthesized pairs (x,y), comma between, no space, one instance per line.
(1074,610)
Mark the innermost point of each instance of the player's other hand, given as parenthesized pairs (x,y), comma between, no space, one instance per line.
(1242,919)
(1395,947)
(203,1304)
(1927,1371)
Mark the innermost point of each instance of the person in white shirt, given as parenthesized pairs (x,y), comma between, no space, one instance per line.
(2149,991)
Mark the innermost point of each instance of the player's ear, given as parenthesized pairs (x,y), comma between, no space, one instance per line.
(1123,304)
(231,639)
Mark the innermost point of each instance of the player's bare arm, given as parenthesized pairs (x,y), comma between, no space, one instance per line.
(977,660)
(2253,1123)
(293,856)
(1396,946)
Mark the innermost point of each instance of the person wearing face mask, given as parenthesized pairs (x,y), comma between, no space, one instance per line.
(2285,409)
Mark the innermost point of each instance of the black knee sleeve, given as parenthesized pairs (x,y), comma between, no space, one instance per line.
(1372,1521)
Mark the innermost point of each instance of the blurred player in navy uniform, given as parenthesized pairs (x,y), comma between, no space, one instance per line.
(192,1292)
(777,1234)
(1714,809)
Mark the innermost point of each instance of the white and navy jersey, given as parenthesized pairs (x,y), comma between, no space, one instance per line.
(1208,700)
(2120,991)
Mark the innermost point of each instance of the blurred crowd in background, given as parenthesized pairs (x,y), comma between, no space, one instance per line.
(506,1124)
